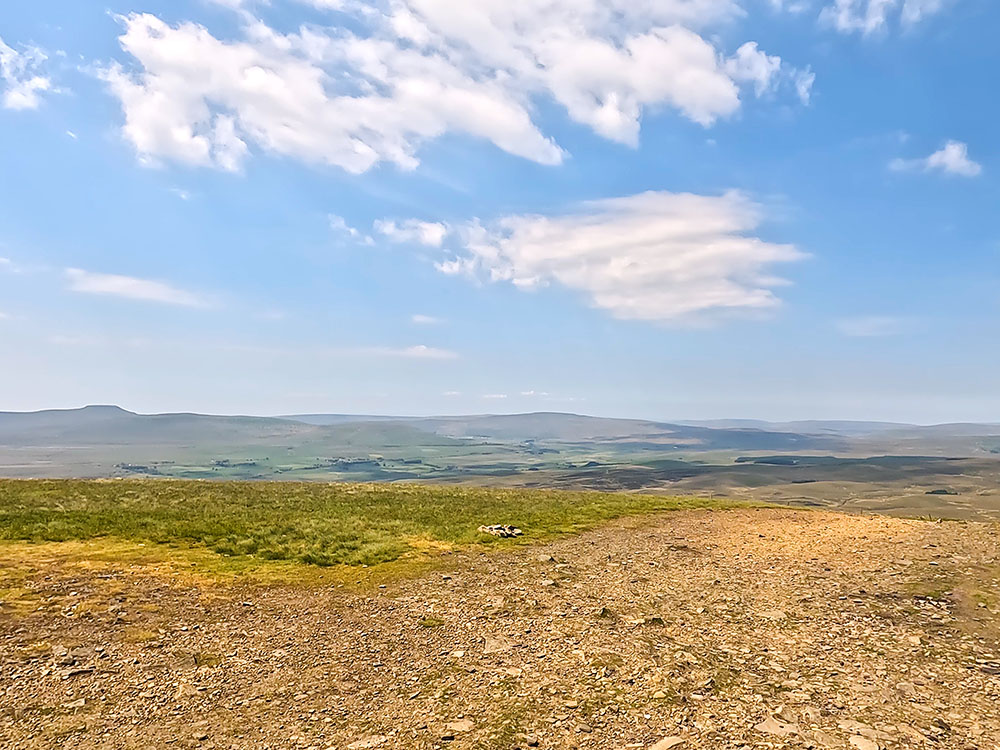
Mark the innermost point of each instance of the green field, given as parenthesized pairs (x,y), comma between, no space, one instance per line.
(317,524)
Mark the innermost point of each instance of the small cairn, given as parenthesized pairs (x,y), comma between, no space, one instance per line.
(501,530)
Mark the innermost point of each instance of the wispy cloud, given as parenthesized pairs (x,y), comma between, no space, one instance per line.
(411,352)
(952,158)
(494,396)
(419,351)
(872,326)
(428,233)
(873,16)
(184,195)
(425,320)
(101,341)
(129,287)
(21,80)
(255,349)
(532,394)
(452,393)
(339,225)
(273,315)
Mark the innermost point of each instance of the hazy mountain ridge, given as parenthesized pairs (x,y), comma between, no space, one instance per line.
(112,424)
(542,448)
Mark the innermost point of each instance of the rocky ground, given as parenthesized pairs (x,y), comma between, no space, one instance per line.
(743,628)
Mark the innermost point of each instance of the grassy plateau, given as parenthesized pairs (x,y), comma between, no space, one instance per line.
(306,523)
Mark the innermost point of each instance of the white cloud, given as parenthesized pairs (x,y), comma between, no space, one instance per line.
(952,158)
(412,352)
(93,342)
(9,266)
(427,233)
(21,80)
(531,394)
(72,135)
(425,320)
(871,326)
(873,16)
(751,65)
(129,287)
(184,195)
(792,6)
(916,10)
(452,393)
(272,315)
(495,396)
(339,225)
(654,256)
(408,71)
(4,316)
(804,80)
(866,16)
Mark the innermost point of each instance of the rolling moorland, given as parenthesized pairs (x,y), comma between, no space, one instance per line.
(950,471)
(148,607)
(148,613)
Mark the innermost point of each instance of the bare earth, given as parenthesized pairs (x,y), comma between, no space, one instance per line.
(756,628)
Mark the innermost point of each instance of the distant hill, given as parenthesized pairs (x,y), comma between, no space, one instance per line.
(545,426)
(112,425)
(807,427)
(110,441)
(334,419)
(849,428)
(108,425)
(579,428)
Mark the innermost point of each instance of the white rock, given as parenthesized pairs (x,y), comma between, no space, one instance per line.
(863,743)
(668,742)
(366,743)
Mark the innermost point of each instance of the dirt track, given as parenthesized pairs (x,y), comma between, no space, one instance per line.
(765,628)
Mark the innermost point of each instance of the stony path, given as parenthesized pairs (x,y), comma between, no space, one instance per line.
(749,628)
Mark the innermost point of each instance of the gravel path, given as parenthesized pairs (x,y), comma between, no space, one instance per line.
(728,629)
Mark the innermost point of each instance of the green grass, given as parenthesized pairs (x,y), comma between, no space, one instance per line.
(317,524)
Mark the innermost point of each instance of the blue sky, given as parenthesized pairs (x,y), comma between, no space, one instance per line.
(676,209)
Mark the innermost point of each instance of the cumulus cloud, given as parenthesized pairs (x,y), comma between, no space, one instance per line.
(21,79)
(751,65)
(872,16)
(129,287)
(952,158)
(655,256)
(407,71)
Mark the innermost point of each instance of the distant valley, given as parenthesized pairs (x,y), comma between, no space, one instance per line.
(948,470)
